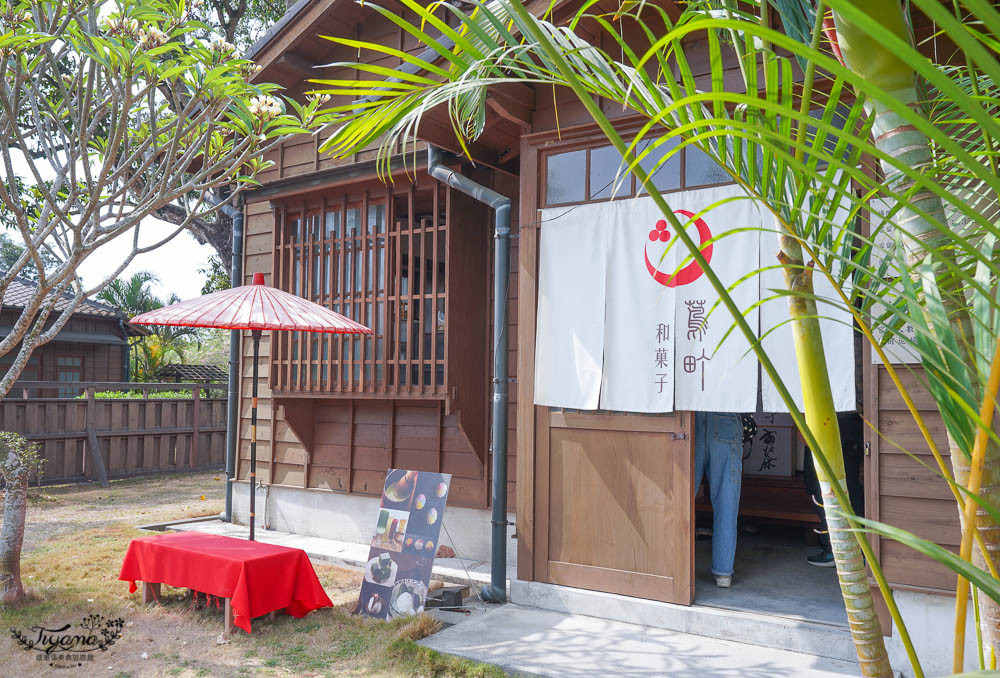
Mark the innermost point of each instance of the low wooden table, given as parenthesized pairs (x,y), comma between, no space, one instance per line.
(150,592)
(253,579)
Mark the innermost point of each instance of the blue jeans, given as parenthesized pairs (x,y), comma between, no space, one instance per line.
(718,451)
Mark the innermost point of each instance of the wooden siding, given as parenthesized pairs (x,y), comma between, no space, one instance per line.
(902,490)
(326,441)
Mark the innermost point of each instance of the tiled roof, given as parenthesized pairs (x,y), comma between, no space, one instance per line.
(20,291)
(192,372)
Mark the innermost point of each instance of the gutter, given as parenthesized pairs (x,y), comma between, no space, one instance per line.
(125,352)
(496,590)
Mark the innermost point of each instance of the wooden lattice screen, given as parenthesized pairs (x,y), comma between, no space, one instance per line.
(386,270)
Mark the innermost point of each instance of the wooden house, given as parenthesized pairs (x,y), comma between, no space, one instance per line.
(93,346)
(602,501)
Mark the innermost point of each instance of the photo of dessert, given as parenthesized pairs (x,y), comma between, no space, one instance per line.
(408,596)
(375,605)
(390,529)
(399,486)
(381,570)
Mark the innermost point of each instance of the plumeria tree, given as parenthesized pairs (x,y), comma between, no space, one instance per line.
(109,113)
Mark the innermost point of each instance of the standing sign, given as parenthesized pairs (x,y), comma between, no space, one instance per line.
(401,558)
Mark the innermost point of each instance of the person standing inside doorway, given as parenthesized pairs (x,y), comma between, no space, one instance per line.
(718,454)
(852,440)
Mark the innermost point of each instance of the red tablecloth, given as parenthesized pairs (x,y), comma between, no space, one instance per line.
(258,578)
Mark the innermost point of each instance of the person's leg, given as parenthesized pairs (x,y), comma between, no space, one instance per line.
(725,476)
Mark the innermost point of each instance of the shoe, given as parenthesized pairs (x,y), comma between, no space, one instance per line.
(822,559)
(723,582)
(703,533)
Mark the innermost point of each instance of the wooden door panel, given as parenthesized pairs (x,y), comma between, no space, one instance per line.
(615,503)
(608,499)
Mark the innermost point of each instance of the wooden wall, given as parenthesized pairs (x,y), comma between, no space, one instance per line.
(336,444)
(898,489)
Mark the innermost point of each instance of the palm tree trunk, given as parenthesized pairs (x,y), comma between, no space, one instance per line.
(821,416)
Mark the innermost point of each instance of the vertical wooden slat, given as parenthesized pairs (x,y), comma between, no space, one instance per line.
(384,296)
(350,299)
(362,317)
(447,283)
(421,301)
(411,277)
(397,282)
(195,429)
(278,340)
(307,291)
(434,294)
(323,297)
(343,291)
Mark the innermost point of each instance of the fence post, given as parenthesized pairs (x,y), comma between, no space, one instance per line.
(95,450)
(196,404)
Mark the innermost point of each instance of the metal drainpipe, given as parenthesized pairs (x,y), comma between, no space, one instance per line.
(125,351)
(232,422)
(496,591)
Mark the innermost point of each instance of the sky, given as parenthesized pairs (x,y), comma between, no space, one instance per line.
(176,264)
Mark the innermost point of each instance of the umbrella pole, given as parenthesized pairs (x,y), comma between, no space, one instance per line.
(253,433)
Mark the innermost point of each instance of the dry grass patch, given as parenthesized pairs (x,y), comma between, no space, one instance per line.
(77,537)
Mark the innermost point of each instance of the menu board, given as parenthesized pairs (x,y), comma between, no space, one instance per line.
(401,558)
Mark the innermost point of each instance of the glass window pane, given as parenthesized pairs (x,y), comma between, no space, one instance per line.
(376,218)
(353,221)
(699,169)
(565,177)
(333,224)
(317,272)
(608,178)
(668,176)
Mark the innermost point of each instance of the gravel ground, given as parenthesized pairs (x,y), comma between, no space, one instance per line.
(60,509)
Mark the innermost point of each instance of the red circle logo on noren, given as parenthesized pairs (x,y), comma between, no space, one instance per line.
(692,271)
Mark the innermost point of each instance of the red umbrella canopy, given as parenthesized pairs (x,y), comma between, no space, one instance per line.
(252,307)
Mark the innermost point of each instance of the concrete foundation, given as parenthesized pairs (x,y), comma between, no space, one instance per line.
(930,620)
(351,518)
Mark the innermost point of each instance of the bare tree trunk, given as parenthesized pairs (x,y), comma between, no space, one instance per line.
(15,507)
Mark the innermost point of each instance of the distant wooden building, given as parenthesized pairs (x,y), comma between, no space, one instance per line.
(603,500)
(191,373)
(93,346)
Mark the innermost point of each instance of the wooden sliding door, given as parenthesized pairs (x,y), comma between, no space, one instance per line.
(614,509)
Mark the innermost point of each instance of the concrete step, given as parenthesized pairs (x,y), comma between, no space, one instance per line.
(819,639)
(526,641)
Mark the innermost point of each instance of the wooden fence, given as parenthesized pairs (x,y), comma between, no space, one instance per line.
(91,438)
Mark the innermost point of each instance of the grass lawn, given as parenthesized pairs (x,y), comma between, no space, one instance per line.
(74,543)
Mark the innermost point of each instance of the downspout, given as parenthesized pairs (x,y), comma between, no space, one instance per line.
(125,346)
(496,590)
(232,422)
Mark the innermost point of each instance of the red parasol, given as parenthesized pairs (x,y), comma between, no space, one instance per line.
(254,307)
